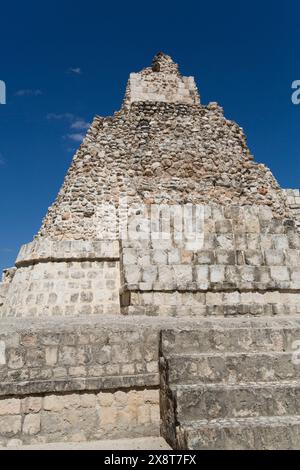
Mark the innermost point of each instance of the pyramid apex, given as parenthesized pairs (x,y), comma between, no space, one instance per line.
(164,63)
(162,82)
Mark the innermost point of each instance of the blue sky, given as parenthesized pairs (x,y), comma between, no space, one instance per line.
(65,61)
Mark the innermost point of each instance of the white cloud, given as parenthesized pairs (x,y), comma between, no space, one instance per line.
(62,116)
(75,70)
(80,124)
(76,137)
(77,125)
(28,92)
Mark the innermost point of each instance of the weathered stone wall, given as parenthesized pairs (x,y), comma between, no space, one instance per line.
(293,200)
(158,152)
(231,384)
(7,278)
(65,278)
(3,292)
(248,264)
(79,417)
(42,356)
(65,288)
(91,376)
(161,82)
(47,250)
(176,304)
(81,380)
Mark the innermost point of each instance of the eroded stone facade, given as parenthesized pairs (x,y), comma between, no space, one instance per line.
(84,358)
(79,417)
(78,380)
(158,149)
(162,147)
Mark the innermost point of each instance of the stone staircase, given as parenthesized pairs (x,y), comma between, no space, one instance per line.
(231,384)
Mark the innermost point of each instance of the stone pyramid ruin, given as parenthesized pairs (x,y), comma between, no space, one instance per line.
(161,294)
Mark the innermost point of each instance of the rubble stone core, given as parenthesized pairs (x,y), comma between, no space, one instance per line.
(82,356)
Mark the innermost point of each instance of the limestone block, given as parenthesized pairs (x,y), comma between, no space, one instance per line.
(209,242)
(166,277)
(225,257)
(159,257)
(231,298)
(32,424)
(232,275)
(183,275)
(127,369)
(150,274)
(186,256)
(247,273)
(252,225)
(253,257)
(214,298)
(108,417)
(67,355)
(292,257)
(253,241)
(31,405)
(15,358)
(217,274)
(217,213)
(266,242)
(130,256)
(263,275)
(174,256)
(9,406)
(10,425)
(295,277)
(13,443)
(202,276)
(2,353)
(132,274)
(280,242)
(205,257)
(144,260)
(274,257)
(105,399)
(225,242)
(88,400)
(223,226)
(79,371)
(280,273)
(241,241)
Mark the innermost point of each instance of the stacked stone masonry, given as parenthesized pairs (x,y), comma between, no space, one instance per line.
(79,417)
(158,149)
(293,199)
(248,263)
(231,385)
(78,381)
(82,356)
(65,278)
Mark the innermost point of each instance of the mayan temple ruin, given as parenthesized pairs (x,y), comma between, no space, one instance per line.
(161,295)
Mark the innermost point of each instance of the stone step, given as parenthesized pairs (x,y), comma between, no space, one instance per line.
(258,433)
(215,401)
(254,336)
(135,443)
(219,310)
(233,367)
